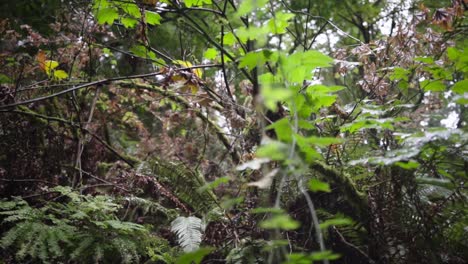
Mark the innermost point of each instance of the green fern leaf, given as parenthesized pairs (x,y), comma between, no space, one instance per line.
(53,243)
(85,244)
(127,249)
(98,253)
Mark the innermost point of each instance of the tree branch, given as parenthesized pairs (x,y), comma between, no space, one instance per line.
(100,82)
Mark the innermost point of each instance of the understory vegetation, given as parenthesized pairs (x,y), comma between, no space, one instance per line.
(233,131)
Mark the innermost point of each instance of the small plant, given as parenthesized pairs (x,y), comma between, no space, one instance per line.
(83,228)
(189,232)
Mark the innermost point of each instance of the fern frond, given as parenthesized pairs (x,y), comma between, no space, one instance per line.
(10,205)
(84,245)
(150,207)
(13,234)
(127,249)
(20,214)
(58,232)
(98,253)
(52,241)
(184,183)
(189,232)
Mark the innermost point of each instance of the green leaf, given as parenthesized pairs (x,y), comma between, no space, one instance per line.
(316,185)
(323,89)
(271,96)
(304,110)
(50,65)
(143,52)
(441,73)
(407,165)
(336,222)
(251,60)
(272,92)
(327,254)
(100,4)
(131,9)
(152,18)
(194,257)
(426,60)
(323,141)
(273,150)
(460,57)
(365,122)
(453,53)
(229,39)
(107,15)
(282,129)
(322,100)
(210,54)
(190,3)
(314,58)
(282,221)
(247,6)
(462,101)
(299,74)
(129,22)
(303,258)
(5,79)
(300,65)
(434,86)
(460,87)
(279,22)
(306,148)
(60,75)
(253,33)
(399,74)
(306,124)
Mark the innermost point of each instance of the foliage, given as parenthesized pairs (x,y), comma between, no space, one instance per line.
(83,228)
(248,131)
(189,232)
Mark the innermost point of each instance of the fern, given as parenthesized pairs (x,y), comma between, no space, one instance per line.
(184,183)
(84,229)
(98,253)
(160,251)
(247,252)
(148,208)
(83,246)
(189,232)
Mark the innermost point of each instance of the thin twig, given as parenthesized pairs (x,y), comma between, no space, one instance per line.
(100,82)
(100,179)
(320,17)
(81,140)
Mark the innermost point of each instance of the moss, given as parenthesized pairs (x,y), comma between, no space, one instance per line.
(345,184)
